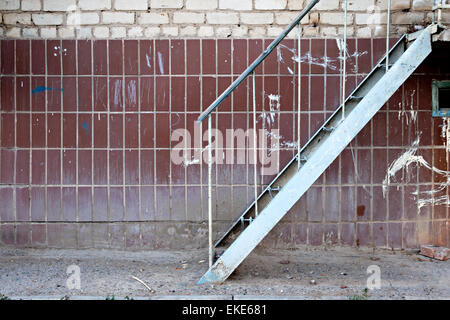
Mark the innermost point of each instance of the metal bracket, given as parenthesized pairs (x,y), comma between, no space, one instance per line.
(328,129)
(273,189)
(249,220)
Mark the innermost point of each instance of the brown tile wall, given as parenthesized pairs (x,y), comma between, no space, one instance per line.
(86,162)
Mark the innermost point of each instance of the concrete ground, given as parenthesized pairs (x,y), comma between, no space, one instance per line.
(319,273)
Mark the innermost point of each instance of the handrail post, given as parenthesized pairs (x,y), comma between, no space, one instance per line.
(344,57)
(299,85)
(388,31)
(210,190)
(255,153)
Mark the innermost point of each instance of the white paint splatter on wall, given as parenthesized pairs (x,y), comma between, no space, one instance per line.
(160,63)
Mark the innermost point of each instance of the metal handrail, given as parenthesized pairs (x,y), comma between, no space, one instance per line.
(258,60)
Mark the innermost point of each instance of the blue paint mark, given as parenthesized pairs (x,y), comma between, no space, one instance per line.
(85,126)
(43,88)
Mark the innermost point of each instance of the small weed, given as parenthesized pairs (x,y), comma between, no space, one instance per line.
(110,297)
(363,296)
(128,298)
(3,297)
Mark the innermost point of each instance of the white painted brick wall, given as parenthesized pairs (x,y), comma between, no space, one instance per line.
(335,18)
(270,4)
(59,5)
(166,4)
(422,4)
(359,5)
(48,32)
(153,18)
(14,18)
(240,5)
(47,19)
(118,17)
(328,5)
(201,4)
(205,18)
(257,18)
(9,4)
(94,4)
(31,5)
(83,18)
(188,17)
(129,5)
(400,4)
(101,32)
(222,18)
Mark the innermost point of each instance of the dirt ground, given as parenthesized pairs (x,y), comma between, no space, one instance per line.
(338,273)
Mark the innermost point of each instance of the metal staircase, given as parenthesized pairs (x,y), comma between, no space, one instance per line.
(318,153)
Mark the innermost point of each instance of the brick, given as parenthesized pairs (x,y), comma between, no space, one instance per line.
(131,4)
(274,31)
(9,4)
(205,31)
(135,32)
(152,32)
(101,32)
(327,5)
(201,4)
(400,4)
(328,31)
(188,17)
(407,18)
(257,32)
(222,18)
(364,32)
(239,31)
(188,31)
(170,31)
(257,18)
(66,32)
(239,5)
(48,33)
(153,18)
(270,4)
(350,31)
(118,32)
(118,17)
(223,32)
(370,19)
(84,33)
(359,5)
(59,5)
(82,18)
(310,31)
(422,4)
(175,4)
(17,18)
(295,4)
(286,17)
(31,5)
(13,32)
(94,5)
(335,18)
(440,253)
(50,19)
(30,32)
